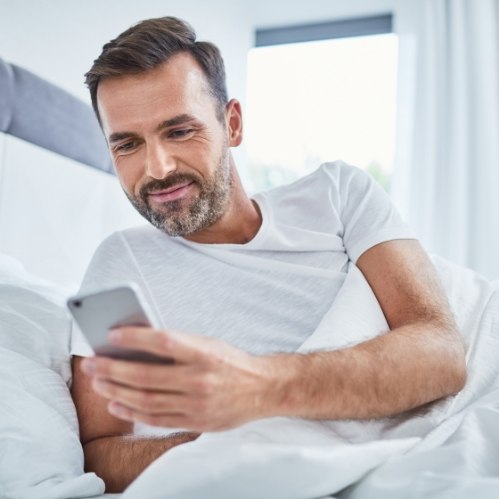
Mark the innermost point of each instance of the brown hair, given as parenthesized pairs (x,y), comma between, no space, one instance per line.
(150,43)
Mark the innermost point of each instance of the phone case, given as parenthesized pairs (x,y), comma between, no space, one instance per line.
(97,313)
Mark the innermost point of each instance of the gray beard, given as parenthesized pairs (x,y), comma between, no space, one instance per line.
(175,218)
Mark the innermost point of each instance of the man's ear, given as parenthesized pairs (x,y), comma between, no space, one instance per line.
(234,118)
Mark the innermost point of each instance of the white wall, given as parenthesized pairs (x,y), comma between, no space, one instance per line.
(58,40)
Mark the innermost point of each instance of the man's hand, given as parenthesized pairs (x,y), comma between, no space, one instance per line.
(210,387)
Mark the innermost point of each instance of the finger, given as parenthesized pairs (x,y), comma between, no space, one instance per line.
(145,339)
(172,420)
(151,402)
(169,378)
(181,347)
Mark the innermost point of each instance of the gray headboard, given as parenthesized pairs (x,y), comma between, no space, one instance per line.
(42,113)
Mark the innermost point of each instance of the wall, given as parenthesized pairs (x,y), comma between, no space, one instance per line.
(58,40)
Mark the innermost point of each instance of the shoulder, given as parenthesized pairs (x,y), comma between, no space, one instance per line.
(324,185)
(343,175)
(330,174)
(125,237)
(313,201)
(114,260)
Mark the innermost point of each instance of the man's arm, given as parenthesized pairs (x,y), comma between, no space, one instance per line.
(110,449)
(420,360)
(213,386)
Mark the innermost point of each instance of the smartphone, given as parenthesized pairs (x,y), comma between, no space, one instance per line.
(97,313)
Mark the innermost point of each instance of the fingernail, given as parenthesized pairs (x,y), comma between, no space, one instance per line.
(115,409)
(115,335)
(99,385)
(88,366)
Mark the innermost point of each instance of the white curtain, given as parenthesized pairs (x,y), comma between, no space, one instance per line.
(447,164)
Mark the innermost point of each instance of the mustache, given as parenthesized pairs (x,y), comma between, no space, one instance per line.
(166,183)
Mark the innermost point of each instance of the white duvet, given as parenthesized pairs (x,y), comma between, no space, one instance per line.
(450,451)
(40,451)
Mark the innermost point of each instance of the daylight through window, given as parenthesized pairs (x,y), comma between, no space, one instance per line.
(320,101)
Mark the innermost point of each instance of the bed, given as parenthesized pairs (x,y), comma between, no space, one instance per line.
(45,132)
(451,450)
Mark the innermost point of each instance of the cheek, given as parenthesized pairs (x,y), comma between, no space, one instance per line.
(208,159)
(128,173)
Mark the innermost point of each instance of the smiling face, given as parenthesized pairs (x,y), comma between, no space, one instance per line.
(170,144)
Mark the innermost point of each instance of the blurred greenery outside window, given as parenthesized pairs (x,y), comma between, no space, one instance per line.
(318,101)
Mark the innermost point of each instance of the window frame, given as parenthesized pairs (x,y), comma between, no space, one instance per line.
(341,28)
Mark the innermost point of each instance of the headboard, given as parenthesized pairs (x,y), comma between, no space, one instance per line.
(59,197)
(39,112)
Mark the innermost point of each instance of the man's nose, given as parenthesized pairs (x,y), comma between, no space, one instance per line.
(159,161)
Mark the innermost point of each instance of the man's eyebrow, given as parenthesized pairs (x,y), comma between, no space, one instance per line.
(177,120)
(117,136)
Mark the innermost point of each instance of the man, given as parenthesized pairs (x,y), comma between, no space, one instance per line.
(240,283)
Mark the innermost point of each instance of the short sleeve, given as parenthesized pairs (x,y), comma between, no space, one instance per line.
(79,345)
(111,265)
(367,213)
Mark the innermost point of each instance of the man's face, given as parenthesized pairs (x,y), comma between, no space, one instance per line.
(169,147)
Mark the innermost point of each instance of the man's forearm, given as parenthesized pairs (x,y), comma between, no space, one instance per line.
(223,387)
(400,370)
(119,460)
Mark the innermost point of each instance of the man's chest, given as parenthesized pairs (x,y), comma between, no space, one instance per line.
(265,306)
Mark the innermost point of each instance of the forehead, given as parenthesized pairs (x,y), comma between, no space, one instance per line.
(176,87)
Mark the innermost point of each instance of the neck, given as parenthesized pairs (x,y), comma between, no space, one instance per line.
(238,225)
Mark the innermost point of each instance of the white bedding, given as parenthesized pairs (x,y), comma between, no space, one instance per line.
(459,459)
(453,446)
(450,451)
(40,451)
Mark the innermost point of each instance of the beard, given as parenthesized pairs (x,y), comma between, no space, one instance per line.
(182,217)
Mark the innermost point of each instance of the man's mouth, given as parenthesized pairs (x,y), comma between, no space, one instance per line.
(171,193)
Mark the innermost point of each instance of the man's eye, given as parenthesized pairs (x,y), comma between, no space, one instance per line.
(178,134)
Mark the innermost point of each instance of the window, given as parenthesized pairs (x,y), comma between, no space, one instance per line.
(321,100)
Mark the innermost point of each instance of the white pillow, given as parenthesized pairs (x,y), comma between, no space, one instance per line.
(40,451)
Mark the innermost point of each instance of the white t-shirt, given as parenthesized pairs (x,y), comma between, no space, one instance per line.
(269,294)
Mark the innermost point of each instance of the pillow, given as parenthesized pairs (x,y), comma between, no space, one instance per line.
(41,455)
